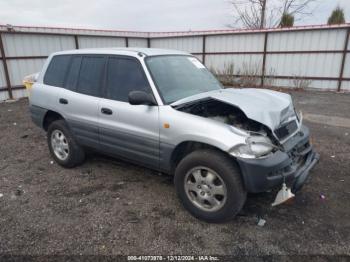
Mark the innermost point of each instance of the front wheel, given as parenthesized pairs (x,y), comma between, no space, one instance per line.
(209,186)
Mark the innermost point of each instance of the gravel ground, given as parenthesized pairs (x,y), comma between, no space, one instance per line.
(110,207)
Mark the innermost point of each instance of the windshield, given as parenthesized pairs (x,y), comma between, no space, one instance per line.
(178,76)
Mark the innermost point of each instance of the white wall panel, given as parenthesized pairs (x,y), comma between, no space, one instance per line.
(36,45)
(321,65)
(307,40)
(19,93)
(188,44)
(2,75)
(19,68)
(235,43)
(318,84)
(137,42)
(346,72)
(345,85)
(4,95)
(252,63)
(348,47)
(95,42)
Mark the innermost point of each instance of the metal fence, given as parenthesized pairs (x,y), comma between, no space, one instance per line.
(279,57)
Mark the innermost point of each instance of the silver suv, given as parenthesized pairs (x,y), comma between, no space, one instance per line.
(164,110)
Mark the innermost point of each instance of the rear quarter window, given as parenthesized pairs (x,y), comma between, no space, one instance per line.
(56,71)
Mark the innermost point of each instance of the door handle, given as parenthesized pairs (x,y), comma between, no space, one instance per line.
(106,111)
(63,101)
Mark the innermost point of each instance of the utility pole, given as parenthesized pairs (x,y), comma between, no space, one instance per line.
(263,10)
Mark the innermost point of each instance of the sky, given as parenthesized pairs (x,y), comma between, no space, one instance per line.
(140,15)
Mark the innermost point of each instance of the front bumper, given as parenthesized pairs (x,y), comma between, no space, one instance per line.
(292,166)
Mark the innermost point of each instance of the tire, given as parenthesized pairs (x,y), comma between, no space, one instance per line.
(69,154)
(188,180)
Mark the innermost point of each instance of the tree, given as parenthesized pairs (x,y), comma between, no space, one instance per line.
(251,13)
(287,20)
(257,14)
(337,16)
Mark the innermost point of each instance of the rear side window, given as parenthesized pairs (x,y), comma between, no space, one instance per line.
(73,73)
(123,76)
(57,70)
(90,76)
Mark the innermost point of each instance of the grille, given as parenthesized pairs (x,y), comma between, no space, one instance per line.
(286,129)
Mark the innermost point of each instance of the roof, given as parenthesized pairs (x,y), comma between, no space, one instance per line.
(140,34)
(132,51)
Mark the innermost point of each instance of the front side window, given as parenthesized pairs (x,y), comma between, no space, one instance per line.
(123,76)
(90,75)
(57,70)
(179,76)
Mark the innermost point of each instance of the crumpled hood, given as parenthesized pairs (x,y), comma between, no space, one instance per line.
(268,107)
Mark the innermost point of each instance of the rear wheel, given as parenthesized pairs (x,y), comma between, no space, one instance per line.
(209,185)
(63,148)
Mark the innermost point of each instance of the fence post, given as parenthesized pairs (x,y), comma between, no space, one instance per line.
(203,49)
(264,60)
(345,51)
(76,42)
(6,71)
(126,41)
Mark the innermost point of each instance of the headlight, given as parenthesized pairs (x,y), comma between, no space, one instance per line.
(255,147)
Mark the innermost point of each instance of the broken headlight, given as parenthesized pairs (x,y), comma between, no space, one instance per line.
(255,147)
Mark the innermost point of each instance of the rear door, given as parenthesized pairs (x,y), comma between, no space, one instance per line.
(79,100)
(128,131)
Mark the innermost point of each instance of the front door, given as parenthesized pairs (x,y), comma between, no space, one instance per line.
(128,131)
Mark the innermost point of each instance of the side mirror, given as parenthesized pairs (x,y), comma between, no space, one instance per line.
(141,98)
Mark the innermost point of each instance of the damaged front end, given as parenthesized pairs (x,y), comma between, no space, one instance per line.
(260,140)
(276,151)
